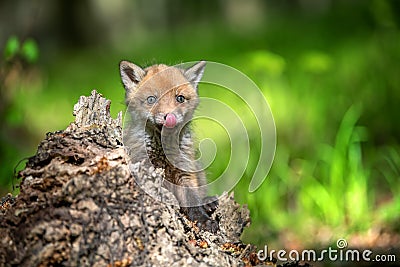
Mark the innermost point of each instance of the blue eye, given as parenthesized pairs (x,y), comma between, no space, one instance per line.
(151,100)
(180,98)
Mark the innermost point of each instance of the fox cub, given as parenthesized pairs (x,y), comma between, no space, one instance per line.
(161,100)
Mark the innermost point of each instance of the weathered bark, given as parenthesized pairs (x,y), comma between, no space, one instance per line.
(79,205)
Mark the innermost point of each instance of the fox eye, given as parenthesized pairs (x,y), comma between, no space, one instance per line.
(180,98)
(151,100)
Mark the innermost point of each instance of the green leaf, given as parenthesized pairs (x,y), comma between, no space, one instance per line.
(30,50)
(11,48)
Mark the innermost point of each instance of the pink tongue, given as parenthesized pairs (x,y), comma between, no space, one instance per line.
(170,121)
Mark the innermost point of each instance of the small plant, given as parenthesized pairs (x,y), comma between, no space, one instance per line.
(16,70)
(27,51)
(340,192)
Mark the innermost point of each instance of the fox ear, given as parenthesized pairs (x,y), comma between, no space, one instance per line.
(131,74)
(195,73)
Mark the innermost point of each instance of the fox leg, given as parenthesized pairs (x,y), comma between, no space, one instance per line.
(191,200)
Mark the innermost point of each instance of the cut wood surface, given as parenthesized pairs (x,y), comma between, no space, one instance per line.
(79,205)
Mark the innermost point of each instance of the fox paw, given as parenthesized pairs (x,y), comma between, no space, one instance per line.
(200,216)
(212,204)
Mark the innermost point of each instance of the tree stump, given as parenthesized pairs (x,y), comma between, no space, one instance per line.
(79,205)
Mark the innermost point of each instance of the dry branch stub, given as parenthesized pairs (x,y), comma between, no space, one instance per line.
(79,205)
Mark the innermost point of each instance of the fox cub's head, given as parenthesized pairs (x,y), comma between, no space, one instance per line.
(161,95)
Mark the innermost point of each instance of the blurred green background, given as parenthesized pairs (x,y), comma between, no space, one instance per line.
(329,69)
